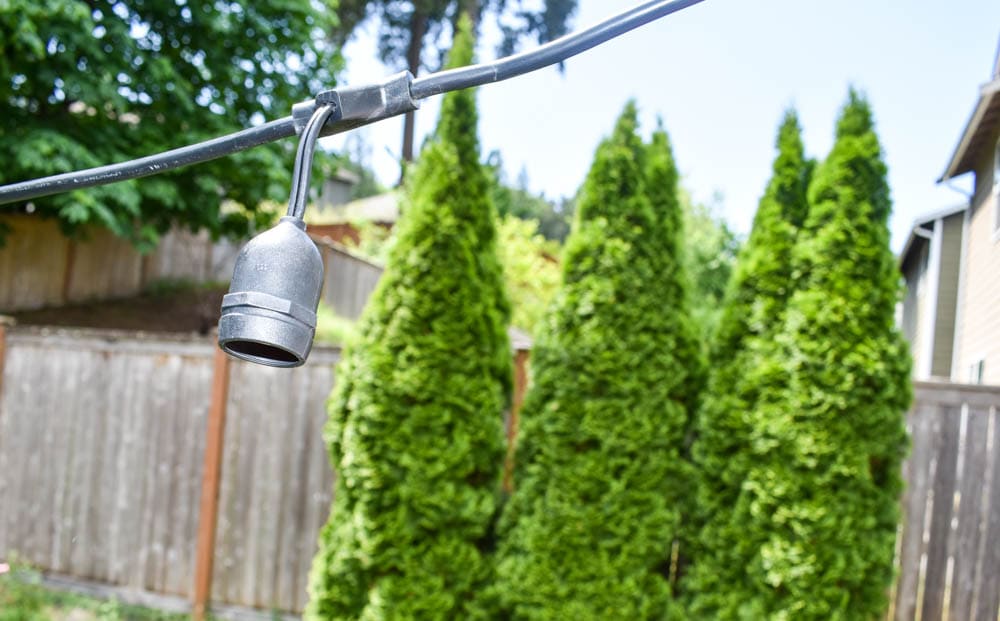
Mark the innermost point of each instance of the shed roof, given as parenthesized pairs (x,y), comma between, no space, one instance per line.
(381,208)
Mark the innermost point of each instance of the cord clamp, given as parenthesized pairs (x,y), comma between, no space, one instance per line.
(354,106)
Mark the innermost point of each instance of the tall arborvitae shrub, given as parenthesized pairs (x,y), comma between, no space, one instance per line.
(752,314)
(588,531)
(823,493)
(415,428)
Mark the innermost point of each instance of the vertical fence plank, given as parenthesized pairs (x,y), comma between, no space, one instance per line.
(943,494)
(914,504)
(968,532)
(987,601)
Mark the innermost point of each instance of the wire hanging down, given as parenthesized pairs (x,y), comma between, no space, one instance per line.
(360,106)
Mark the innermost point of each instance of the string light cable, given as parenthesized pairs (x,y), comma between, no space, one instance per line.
(352,106)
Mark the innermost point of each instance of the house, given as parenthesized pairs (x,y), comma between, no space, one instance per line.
(336,190)
(342,223)
(952,312)
(977,325)
(930,263)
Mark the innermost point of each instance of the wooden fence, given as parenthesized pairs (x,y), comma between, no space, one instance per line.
(158,465)
(349,279)
(948,549)
(102,444)
(40,267)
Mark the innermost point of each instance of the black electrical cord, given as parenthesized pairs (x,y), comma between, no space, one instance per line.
(434,84)
(150,165)
(548,54)
(304,161)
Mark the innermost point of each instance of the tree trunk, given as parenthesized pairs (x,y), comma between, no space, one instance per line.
(418,28)
(473,8)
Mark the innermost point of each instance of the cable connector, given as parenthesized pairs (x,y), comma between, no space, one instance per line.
(354,106)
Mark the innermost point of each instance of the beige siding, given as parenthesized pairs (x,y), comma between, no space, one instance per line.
(944,323)
(979,330)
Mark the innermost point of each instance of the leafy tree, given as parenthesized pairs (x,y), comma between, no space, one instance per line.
(415,419)
(88,82)
(406,27)
(710,249)
(531,270)
(751,315)
(819,506)
(517,200)
(588,531)
(357,158)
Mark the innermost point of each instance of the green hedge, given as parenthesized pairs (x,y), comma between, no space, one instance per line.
(820,502)
(753,312)
(415,427)
(589,529)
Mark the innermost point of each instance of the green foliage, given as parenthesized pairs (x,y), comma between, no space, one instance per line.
(23,597)
(751,315)
(553,220)
(530,264)
(588,532)
(356,158)
(375,241)
(85,83)
(530,268)
(415,419)
(710,250)
(331,328)
(400,22)
(819,505)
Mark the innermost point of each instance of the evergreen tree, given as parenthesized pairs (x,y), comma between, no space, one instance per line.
(821,500)
(751,316)
(415,419)
(588,531)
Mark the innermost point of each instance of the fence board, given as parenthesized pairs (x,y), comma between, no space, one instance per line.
(97,426)
(914,505)
(267,534)
(348,281)
(103,266)
(967,533)
(942,500)
(988,600)
(181,255)
(32,263)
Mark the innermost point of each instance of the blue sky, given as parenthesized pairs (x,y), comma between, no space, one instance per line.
(720,74)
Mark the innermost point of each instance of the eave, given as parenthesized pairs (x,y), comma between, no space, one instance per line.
(985,118)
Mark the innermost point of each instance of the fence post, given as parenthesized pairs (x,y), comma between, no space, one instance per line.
(209,508)
(520,386)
